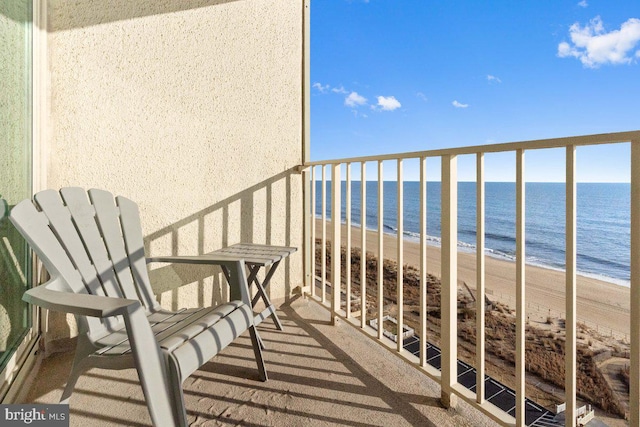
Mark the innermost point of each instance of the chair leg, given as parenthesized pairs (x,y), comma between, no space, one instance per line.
(257,351)
(71,383)
(175,383)
(80,364)
(153,368)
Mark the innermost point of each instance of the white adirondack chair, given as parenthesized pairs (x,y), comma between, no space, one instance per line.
(93,249)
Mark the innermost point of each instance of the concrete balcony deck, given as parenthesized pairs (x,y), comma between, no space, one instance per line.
(319,374)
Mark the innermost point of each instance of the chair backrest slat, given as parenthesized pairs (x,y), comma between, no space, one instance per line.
(62,226)
(134,245)
(84,216)
(107,228)
(36,228)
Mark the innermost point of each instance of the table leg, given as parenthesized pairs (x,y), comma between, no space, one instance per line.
(234,293)
(253,272)
(270,310)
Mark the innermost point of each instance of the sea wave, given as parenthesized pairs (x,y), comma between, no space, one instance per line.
(506,256)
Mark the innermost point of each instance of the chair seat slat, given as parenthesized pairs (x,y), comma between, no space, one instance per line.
(171,335)
(189,355)
(120,338)
(119,335)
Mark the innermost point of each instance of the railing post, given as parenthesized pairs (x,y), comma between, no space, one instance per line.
(449,311)
(423,261)
(400,272)
(306,188)
(313,230)
(363,245)
(634,318)
(520,289)
(380,251)
(570,292)
(347,272)
(335,240)
(323,249)
(480,291)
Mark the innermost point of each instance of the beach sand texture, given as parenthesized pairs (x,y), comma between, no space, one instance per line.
(601,305)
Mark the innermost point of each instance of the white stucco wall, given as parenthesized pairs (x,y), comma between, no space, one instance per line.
(194,110)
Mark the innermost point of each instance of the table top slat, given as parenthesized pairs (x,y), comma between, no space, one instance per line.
(255,254)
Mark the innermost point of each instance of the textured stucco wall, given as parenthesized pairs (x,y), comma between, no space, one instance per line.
(194,110)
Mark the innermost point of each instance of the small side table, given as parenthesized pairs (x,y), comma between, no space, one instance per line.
(256,257)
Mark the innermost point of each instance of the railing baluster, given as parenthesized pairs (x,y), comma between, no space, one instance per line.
(400,279)
(449,273)
(323,250)
(335,240)
(348,254)
(306,231)
(313,231)
(480,292)
(520,289)
(423,261)
(570,293)
(634,369)
(380,252)
(363,244)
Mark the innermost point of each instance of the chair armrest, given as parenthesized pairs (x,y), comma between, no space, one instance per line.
(80,304)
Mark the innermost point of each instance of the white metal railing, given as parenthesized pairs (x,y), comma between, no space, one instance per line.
(447,376)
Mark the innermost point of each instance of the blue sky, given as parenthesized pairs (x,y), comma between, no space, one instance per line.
(392,76)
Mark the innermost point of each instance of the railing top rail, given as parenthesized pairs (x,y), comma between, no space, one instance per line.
(605,138)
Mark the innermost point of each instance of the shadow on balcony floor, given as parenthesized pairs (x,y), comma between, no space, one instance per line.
(318,375)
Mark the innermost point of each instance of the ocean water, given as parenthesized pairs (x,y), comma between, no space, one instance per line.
(603,221)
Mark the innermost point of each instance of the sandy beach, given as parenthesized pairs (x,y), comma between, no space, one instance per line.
(601,305)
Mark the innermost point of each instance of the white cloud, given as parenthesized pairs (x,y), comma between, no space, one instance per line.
(354,100)
(583,3)
(422,96)
(388,103)
(321,89)
(459,105)
(594,47)
(340,89)
(493,79)
(357,113)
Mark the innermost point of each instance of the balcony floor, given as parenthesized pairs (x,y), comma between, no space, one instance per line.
(318,375)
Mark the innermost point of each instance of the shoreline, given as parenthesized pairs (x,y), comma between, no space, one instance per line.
(471,249)
(601,305)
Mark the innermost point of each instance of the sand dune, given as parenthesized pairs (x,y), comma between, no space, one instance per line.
(601,305)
